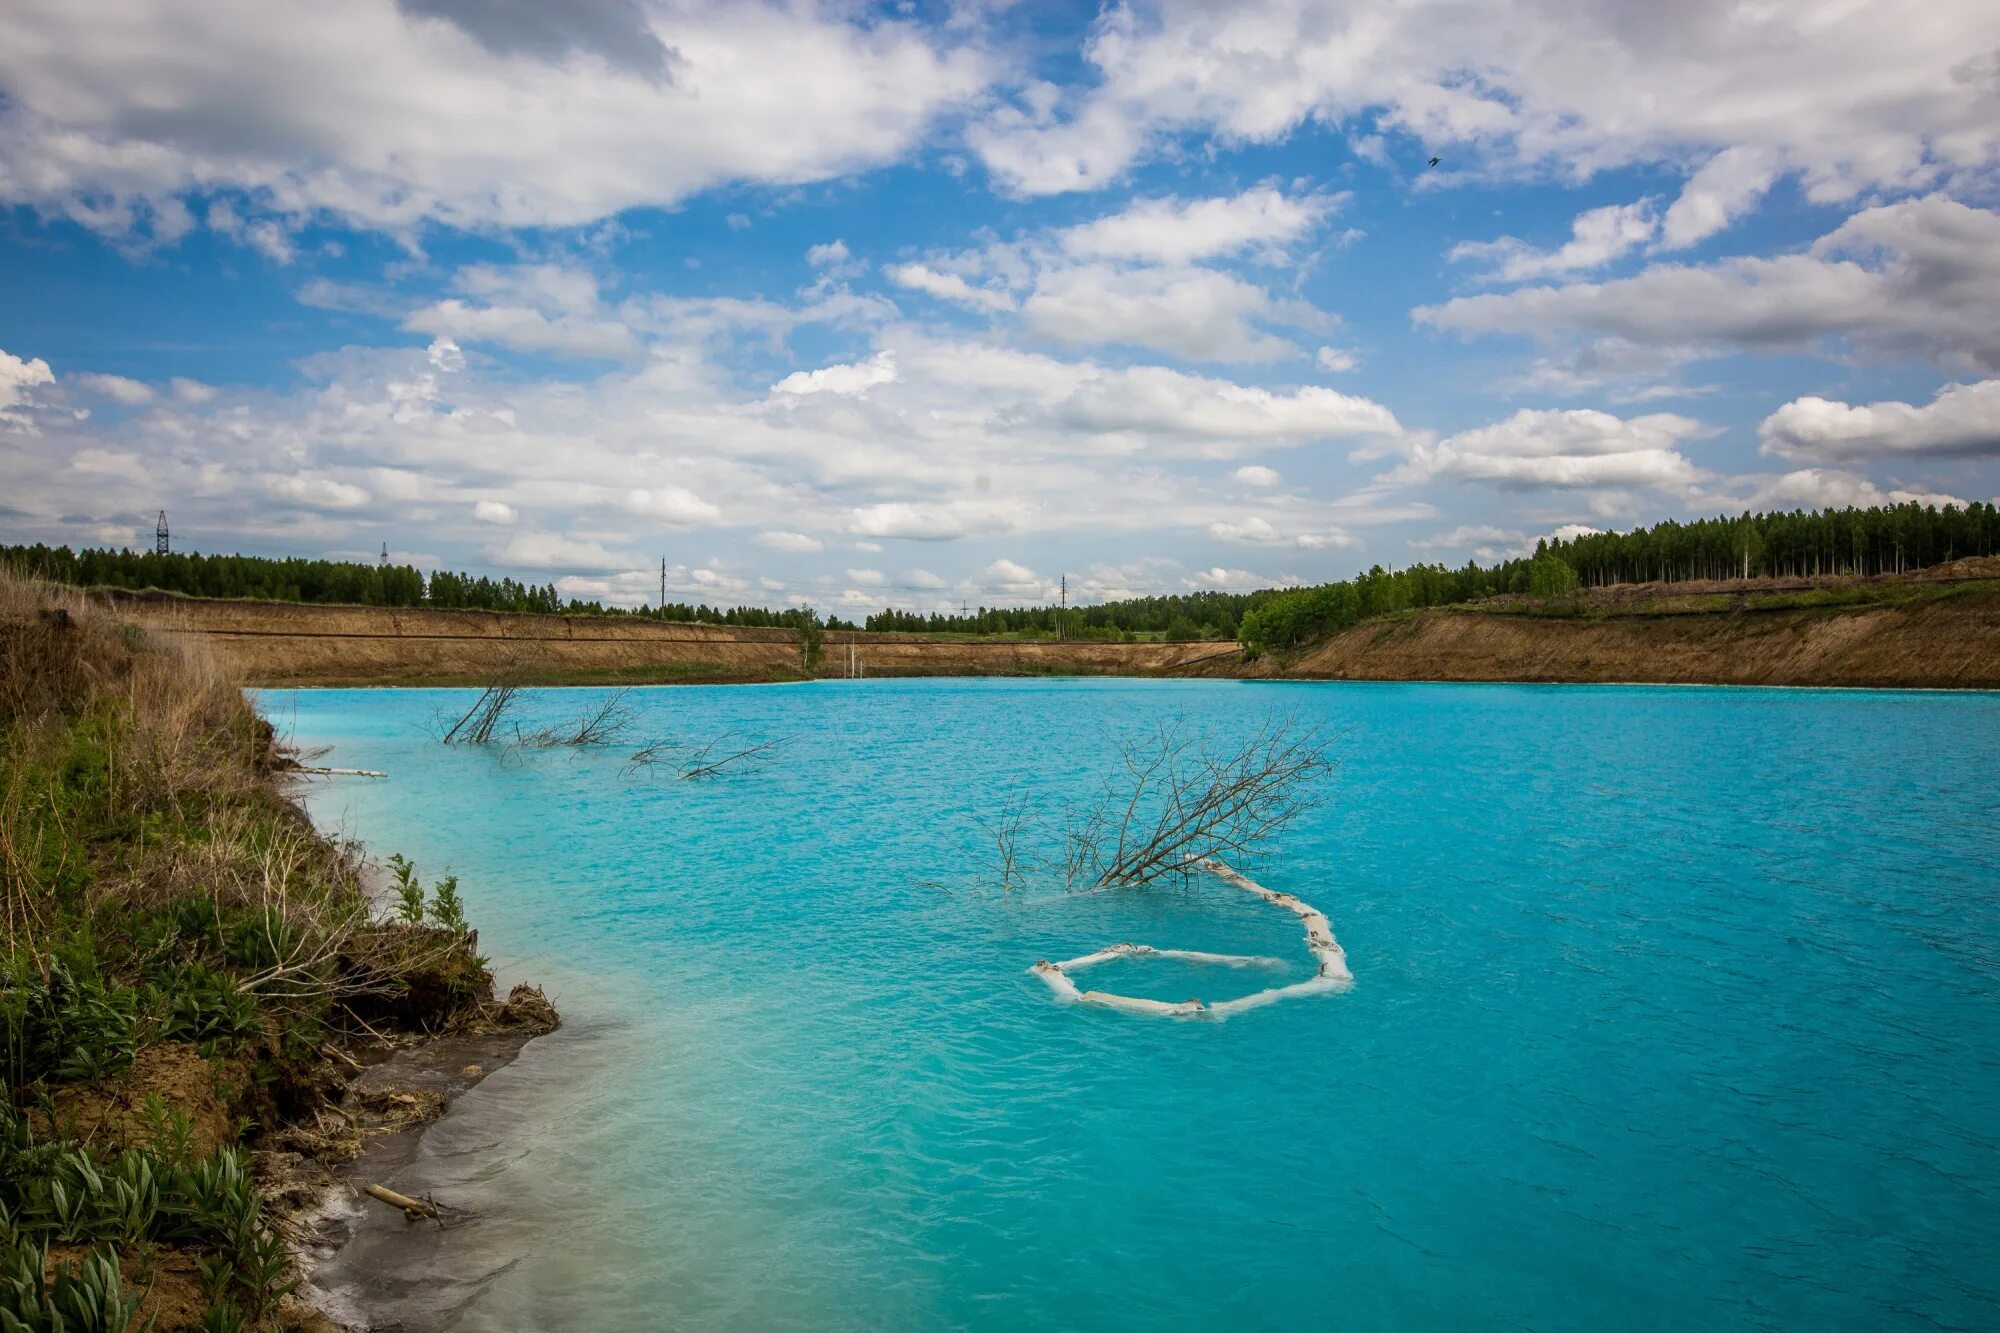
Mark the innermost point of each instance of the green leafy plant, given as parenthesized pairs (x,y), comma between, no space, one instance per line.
(447,909)
(409,891)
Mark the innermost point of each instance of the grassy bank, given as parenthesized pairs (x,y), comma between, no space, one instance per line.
(185,961)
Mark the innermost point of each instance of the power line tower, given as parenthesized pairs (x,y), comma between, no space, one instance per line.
(385,555)
(160,543)
(1062,630)
(663,587)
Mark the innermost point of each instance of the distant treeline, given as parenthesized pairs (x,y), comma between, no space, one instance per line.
(1188,616)
(346,582)
(1865,541)
(1888,539)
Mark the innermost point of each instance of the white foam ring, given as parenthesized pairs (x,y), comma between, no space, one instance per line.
(1330,962)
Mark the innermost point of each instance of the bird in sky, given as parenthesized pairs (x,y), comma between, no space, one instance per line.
(1434,161)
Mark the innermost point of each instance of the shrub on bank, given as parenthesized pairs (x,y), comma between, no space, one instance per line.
(180,948)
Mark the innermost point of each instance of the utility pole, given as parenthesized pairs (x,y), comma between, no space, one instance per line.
(160,544)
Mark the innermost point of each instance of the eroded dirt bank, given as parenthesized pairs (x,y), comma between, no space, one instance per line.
(1945,641)
(1948,643)
(279,643)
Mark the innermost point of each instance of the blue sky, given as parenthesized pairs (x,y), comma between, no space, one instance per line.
(927,304)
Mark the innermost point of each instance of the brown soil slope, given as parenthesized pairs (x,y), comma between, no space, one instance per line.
(280,643)
(1951,642)
(1948,642)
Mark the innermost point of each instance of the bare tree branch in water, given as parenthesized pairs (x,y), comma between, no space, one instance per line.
(1007,830)
(607,724)
(477,725)
(710,759)
(1179,799)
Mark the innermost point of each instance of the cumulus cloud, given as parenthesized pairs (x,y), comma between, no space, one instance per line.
(192,391)
(539,308)
(933,521)
(445,356)
(1254,475)
(1338,360)
(948,287)
(1822,488)
(833,252)
(618,31)
(18,378)
(495,512)
(318,492)
(117,388)
(1963,420)
(1178,231)
(845,380)
(1727,186)
(866,577)
(1561,449)
(553,551)
(1915,279)
(673,506)
(1855,99)
(1466,536)
(1196,313)
(1258,531)
(796,542)
(1596,238)
(1218,416)
(390,119)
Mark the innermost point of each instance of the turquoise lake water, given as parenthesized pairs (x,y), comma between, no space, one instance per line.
(1673,1008)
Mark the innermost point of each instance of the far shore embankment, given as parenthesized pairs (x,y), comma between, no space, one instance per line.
(289,644)
(1923,634)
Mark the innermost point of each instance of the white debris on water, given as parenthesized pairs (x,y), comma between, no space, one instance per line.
(1330,962)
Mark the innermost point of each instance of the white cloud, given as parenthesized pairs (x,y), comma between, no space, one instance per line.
(1254,475)
(1466,536)
(192,391)
(525,329)
(390,120)
(1596,238)
(923,578)
(796,542)
(495,512)
(833,252)
(948,287)
(673,506)
(318,492)
(1963,420)
(1916,279)
(846,380)
(1564,449)
(1861,97)
(1195,313)
(548,550)
(1337,360)
(867,577)
(935,521)
(1727,186)
(129,392)
(1257,531)
(1219,578)
(1825,488)
(17,378)
(445,356)
(1218,415)
(1176,231)
(1014,579)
